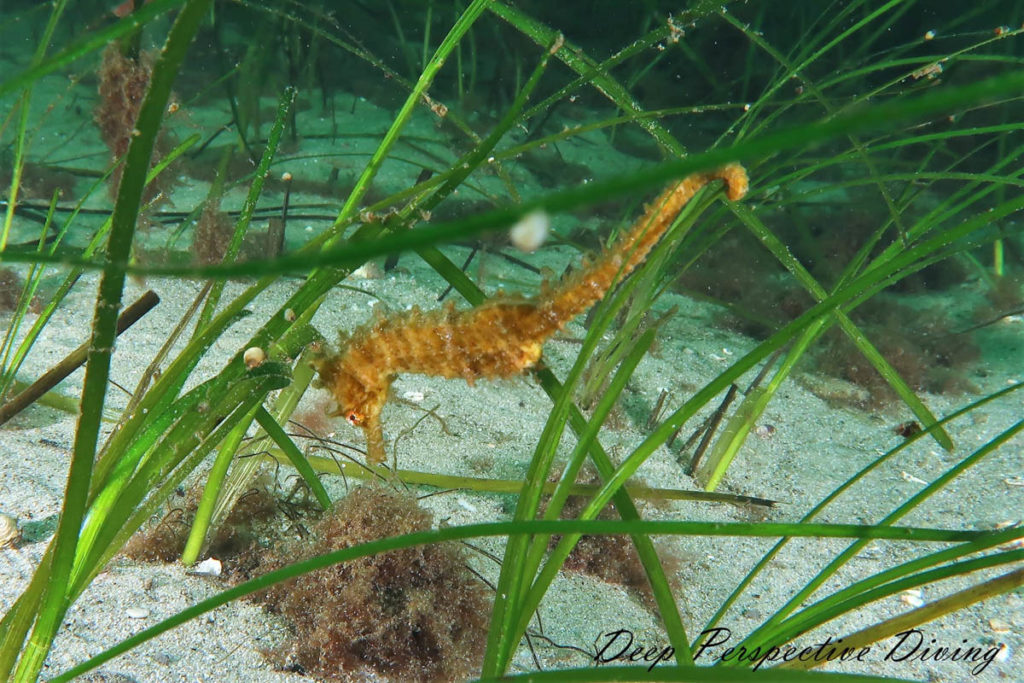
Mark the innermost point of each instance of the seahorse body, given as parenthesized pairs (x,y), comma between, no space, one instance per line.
(500,338)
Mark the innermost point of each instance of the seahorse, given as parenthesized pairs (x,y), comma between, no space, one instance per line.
(500,338)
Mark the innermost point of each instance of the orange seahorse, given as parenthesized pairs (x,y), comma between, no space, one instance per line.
(499,338)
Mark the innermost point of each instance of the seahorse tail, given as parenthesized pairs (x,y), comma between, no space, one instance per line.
(660,214)
(580,291)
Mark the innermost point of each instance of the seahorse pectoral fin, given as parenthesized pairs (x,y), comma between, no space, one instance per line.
(526,355)
(532,354)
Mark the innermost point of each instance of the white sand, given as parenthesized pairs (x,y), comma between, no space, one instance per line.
(496,426)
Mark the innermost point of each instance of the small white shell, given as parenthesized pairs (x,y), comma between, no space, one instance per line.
(137,612)
(531,231)
(253,357)
(912,597)
(368,271)
(999,626)
(911,478)
(208,567)
(9,533)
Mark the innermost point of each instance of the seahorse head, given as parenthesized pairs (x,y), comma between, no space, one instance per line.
(359,398)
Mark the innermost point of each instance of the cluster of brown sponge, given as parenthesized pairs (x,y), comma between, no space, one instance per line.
(612,558)
(416,614)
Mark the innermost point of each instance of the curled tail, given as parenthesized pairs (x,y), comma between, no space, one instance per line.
(579,292)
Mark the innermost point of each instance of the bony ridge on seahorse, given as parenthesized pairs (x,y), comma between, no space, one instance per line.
(501,337)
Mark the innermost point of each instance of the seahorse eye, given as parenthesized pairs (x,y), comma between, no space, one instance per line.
(355,419)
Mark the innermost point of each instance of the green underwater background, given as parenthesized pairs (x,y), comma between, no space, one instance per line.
(798,419)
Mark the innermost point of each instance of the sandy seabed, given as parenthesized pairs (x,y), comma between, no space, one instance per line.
(493,431)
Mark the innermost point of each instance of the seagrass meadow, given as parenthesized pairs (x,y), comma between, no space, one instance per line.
(504,339)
